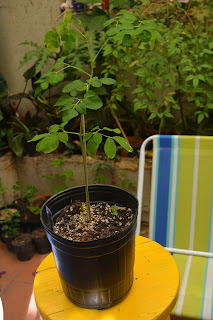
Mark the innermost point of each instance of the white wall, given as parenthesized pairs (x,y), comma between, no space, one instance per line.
(20,21)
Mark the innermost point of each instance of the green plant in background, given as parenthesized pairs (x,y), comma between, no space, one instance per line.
(11,224)
(2,192)
(28,192)
(99,168)
(59,177)
(174,89)
(126,183)
(78,96)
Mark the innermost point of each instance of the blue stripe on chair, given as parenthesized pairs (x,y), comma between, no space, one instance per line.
(163,189)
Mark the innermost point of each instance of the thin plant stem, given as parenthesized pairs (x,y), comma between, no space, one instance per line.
(84,154)
(25,87)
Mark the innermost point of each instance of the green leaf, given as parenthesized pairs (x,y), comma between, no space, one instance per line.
(48,144)
(123,143)
(145,36)
(38,137)
(44,85)
(87,136)
(93,103)
(63,137)
(108,22)
(207,51)
(59,63)
(190,77)
(69,114)
(74,85)
(97,137)
(110,148)
(52,39)
(89,94)
(54,128)
(63,100)
(170,99)
(127,41)
(37,91)
(112,130)
(114,210)
(92,147)
(200,118)
(108,81)
(56,78)
(81,108)
(195,82)
(201,77)
(96,82)
(16,144)
(112,31)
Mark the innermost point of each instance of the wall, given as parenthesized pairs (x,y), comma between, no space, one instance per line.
(20,21)
(31,170)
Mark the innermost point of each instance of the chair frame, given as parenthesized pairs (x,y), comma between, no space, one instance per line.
(140,201)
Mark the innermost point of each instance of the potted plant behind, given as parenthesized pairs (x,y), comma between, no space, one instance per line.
(91,228)
(10,228)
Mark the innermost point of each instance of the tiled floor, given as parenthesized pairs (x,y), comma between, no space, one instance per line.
(16,285)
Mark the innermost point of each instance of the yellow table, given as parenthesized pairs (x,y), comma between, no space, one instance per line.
(152,296)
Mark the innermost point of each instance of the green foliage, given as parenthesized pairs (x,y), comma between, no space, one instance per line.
(11,224)
(28,192)
(60,178)
(42,54)
(174,87)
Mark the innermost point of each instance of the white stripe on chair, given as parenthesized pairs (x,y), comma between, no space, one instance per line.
(194,193)
(208,291)
(174,192)
(153,189)
(183,287)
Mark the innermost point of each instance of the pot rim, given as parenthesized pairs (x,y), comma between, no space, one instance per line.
(91,243)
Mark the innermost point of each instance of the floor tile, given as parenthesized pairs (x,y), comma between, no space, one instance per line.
(28,272)
(3,284)
(19,303)
(9,263)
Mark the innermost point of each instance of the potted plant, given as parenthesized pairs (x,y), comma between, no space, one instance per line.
(23,246)
(29,211)
(101,219)
(10,228)
(40,241)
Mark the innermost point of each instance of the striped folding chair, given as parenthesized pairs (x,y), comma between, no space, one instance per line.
(181,210)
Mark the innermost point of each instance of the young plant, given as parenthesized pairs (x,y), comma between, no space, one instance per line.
(11,224)
(78,95)
(28,193)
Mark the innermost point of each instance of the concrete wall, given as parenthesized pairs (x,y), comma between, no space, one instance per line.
(31,170)
(20,21)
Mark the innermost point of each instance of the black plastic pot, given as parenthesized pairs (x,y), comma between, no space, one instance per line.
(95,274)
(7,240)
(42,244)
(24,251)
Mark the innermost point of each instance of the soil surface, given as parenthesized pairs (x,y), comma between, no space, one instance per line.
(22,239)
(72,224)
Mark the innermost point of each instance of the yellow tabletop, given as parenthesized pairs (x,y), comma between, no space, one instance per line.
(152,296)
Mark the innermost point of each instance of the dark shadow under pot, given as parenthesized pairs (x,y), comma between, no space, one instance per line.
(95,274)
